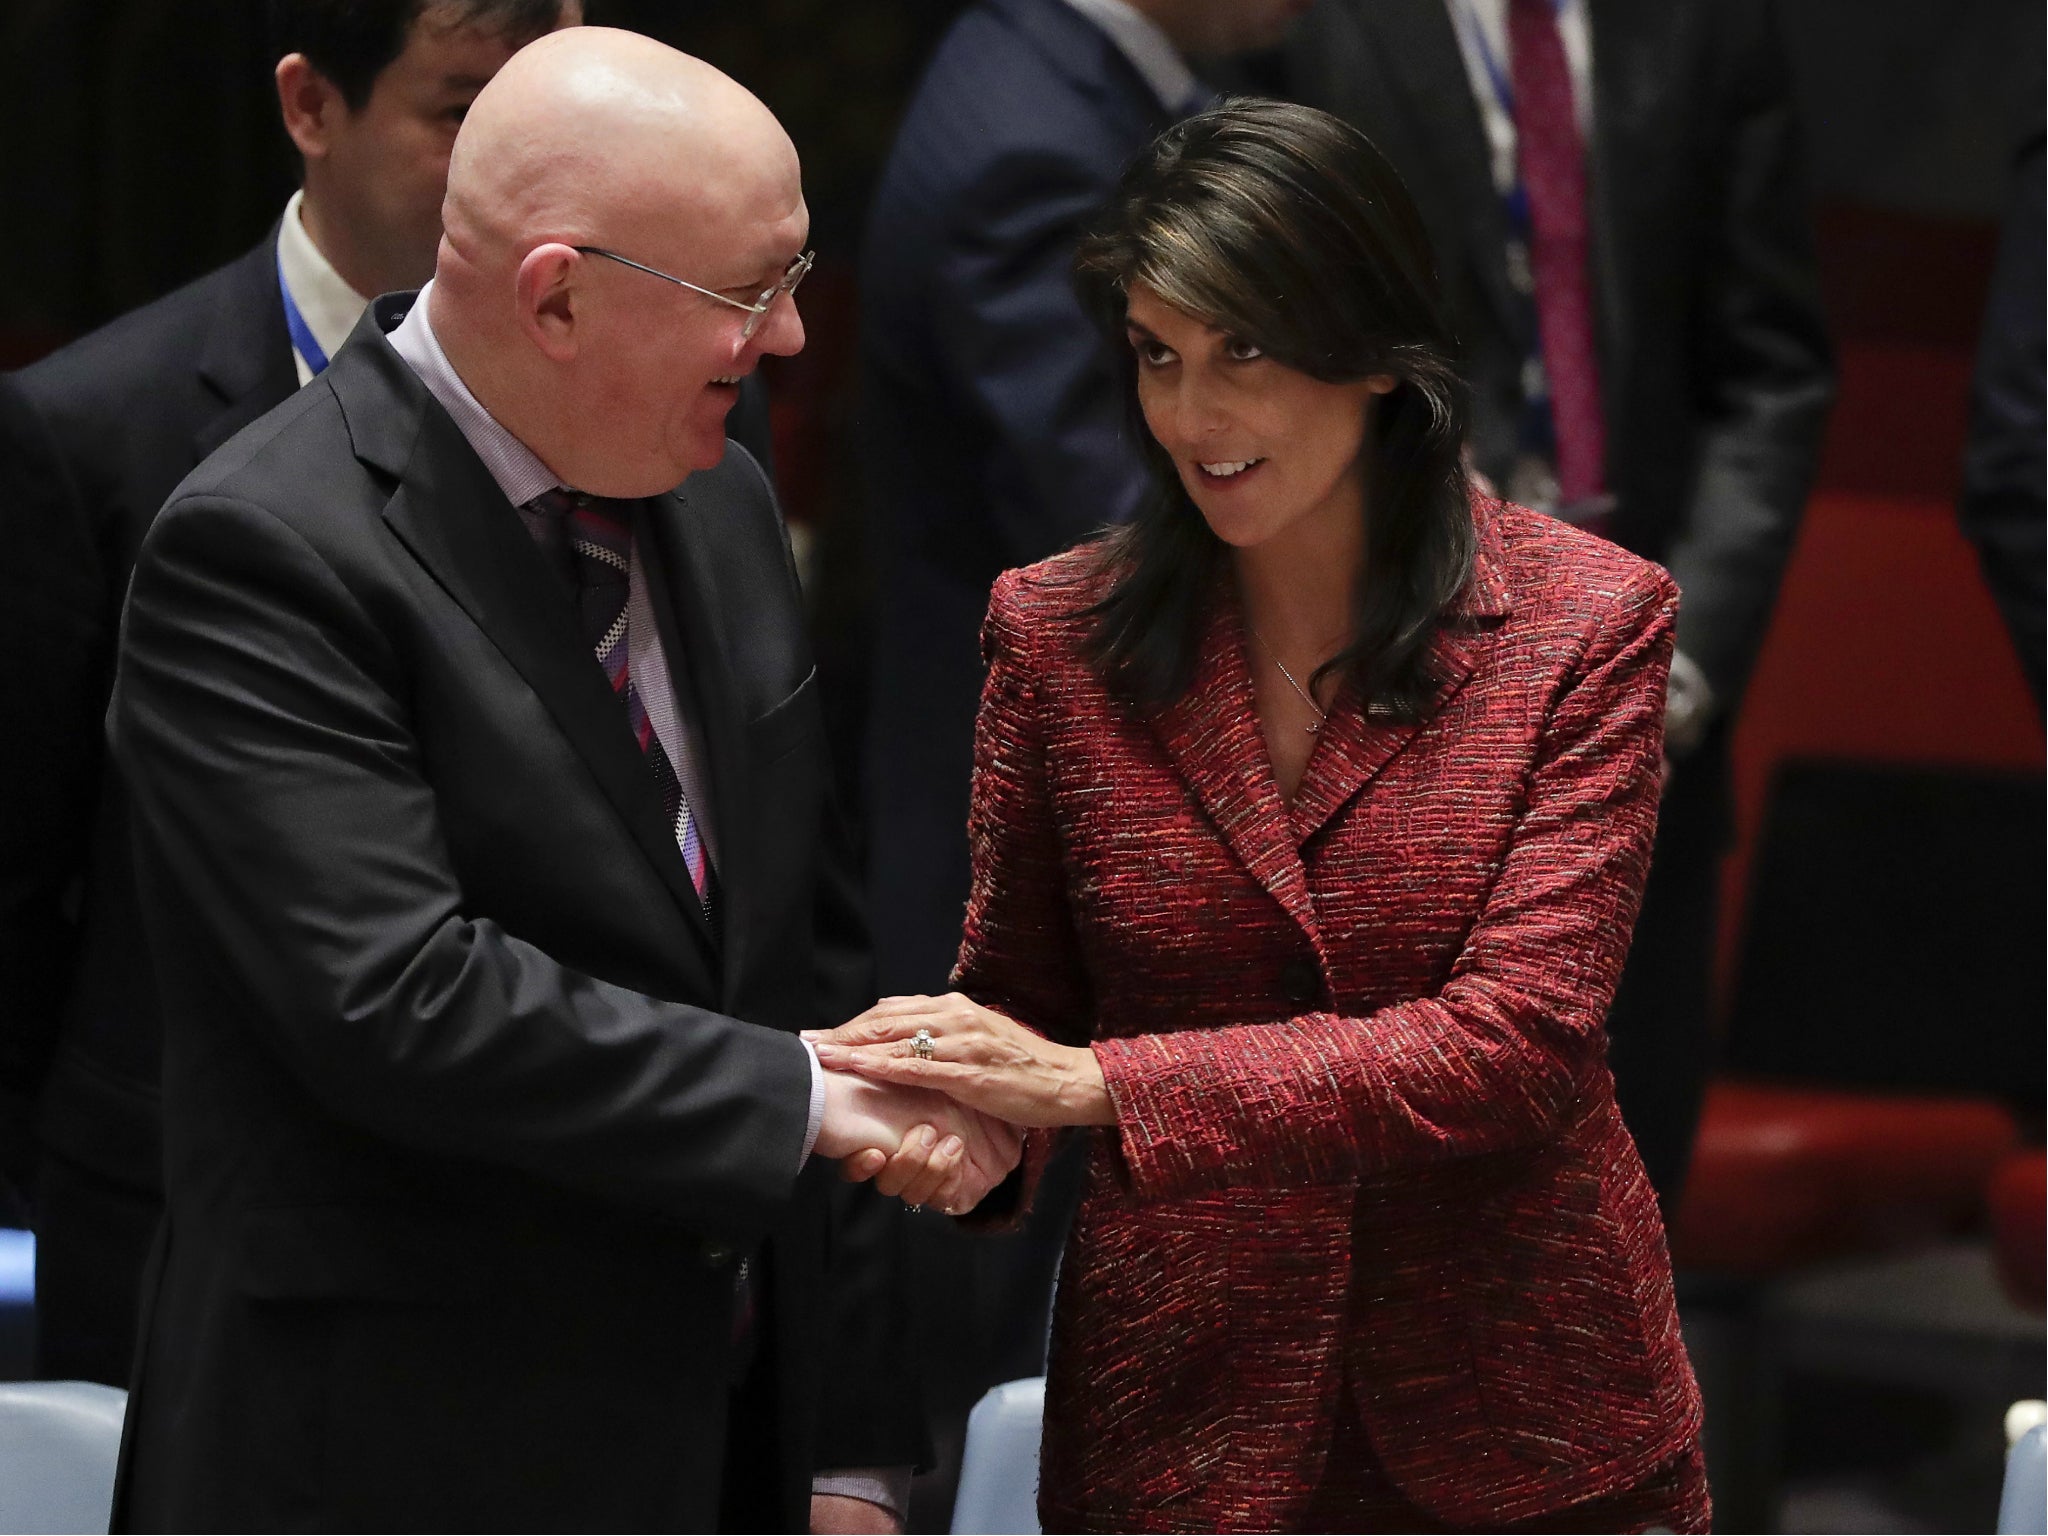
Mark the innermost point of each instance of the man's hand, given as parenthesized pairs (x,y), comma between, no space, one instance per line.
(915,1144)
(861,1117)
(835,1512)
(988,1149)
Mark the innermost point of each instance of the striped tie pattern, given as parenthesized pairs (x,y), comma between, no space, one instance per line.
(602,542)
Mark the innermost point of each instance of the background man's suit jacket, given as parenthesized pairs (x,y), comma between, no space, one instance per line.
(992,425)
(1715,370)
(463,1134)
(1715,377)
(98,435)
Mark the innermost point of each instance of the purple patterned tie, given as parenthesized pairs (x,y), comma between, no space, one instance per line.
(602,542)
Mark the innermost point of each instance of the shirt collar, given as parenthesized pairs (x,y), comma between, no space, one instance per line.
(517,468)
(1139,39)
(326,303)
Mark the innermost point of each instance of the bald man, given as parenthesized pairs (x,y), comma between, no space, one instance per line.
(480,815)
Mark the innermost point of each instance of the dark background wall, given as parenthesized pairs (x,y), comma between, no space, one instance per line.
(141,143)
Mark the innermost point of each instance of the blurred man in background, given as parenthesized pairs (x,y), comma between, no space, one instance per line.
(371,95)
(1616,198)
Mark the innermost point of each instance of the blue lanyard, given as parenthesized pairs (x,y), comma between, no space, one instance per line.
(295,323)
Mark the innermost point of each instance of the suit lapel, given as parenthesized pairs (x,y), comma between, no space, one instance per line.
(246,361)
(1627,82)
(1211,732)
(1356,745)
(681,575)
(450,514)
(1418,59)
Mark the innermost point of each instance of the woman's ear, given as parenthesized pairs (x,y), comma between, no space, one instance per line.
(1382,383)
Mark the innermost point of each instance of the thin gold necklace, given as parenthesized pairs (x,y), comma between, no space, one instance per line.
(1322,715)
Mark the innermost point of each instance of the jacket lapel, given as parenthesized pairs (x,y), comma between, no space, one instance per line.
(246,360)
(1356,744)
(681,576)
(1211,732)
(1631,88)
(450,514)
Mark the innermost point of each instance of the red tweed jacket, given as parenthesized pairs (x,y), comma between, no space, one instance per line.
(1366,1137)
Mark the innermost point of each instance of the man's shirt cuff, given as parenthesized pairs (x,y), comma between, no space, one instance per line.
(887,1486)
(817,1120)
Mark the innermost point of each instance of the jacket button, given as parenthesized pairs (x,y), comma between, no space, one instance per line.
(716,1254)
(1300,982)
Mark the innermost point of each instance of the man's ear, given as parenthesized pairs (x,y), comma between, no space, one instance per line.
(311,105)
(549,300)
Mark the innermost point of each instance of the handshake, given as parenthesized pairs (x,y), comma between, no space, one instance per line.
(925,1095)
(915,1143)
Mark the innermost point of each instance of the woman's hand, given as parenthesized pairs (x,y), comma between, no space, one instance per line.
(977,1057)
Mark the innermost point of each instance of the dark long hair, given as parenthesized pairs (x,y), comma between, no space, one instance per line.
(1286,228)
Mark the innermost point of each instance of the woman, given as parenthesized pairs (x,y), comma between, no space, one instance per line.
(1311,814)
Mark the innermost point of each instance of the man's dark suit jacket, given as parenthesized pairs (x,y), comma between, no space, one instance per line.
(993,428)
(97,435)
(1715,375)
(464,1133)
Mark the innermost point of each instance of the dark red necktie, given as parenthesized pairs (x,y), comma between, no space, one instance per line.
(1553,163)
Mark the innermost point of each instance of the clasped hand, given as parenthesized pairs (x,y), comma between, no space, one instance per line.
(917,1145)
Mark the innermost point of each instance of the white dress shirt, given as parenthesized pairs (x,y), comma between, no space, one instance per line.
(1139,39)
(326,303)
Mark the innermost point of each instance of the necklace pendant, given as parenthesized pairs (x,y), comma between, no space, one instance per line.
(1314,729)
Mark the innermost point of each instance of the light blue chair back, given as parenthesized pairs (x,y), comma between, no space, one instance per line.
(999,1470)
(2023,1511)
(59,1441)
(17,1267)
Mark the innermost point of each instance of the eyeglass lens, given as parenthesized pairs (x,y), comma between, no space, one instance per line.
(766,302)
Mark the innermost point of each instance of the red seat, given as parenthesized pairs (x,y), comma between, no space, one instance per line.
(1783,1176)
(2018,1198)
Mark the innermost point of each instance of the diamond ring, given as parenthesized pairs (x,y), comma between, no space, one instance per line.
(922,1045)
